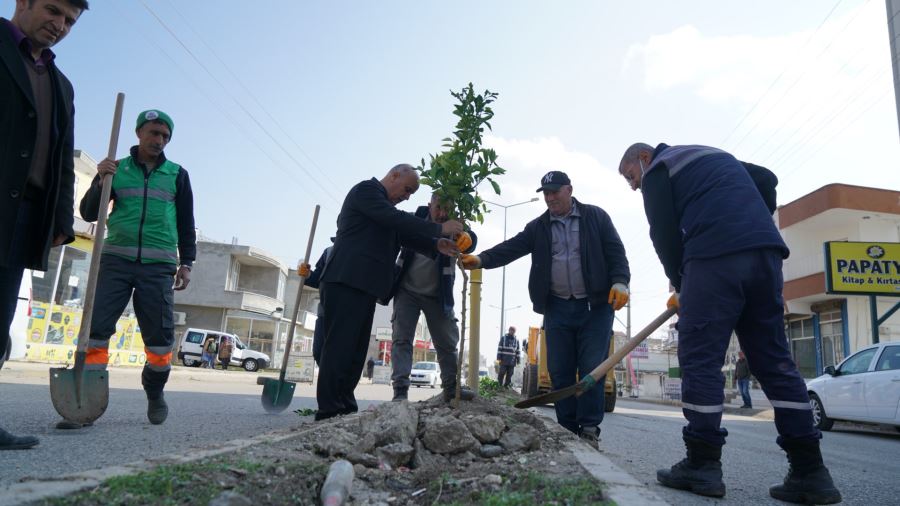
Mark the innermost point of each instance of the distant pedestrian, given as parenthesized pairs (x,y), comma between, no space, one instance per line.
(507,357)
(370,368)
(209,351)
(712,229)
(37,126)
(742,374)
(226,346)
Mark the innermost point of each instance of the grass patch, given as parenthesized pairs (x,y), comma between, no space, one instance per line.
(489,388)
(534,488)
(305,412)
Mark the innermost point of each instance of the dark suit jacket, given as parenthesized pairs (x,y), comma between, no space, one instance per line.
(17,138)
(370,233)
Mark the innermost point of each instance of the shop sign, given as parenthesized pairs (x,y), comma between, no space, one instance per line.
(862,268)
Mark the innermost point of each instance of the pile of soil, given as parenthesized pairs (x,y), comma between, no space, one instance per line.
(403,453)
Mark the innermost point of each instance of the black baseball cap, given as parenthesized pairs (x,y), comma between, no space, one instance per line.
(553,181)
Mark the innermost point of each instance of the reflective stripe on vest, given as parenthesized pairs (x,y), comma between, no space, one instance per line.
(143,221)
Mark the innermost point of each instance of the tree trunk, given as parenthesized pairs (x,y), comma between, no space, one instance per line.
(462,335)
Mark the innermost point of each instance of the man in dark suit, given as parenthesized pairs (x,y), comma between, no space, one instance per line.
(361,271)
(37,177)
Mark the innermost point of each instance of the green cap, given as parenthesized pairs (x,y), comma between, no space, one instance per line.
(155,115)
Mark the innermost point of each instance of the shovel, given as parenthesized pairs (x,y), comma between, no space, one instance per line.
(278,393)
(590,381)
(78,395)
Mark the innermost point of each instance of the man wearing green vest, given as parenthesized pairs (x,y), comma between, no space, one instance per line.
(151,243)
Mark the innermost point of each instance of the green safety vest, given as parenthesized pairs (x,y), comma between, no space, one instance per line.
(142,224)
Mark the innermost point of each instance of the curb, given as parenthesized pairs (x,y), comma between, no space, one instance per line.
(37,489)
(622,487)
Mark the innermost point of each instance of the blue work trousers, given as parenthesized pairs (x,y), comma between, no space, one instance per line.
(744,389)
(741,292)
(577,341)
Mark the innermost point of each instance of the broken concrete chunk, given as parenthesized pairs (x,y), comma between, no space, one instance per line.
(364,459)
(485,428)
(230,498)
(395,454)
(520,437)
(447,436)
(394,422)
(492,479)
(340,443)
(490,451)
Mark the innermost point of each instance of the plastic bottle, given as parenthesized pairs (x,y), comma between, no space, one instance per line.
(336,489)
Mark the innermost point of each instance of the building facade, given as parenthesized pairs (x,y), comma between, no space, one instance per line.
(825,328)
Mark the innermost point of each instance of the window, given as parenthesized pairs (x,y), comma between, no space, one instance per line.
(890,359)
(831,330)
(803,346)
(195,337)
(858,363)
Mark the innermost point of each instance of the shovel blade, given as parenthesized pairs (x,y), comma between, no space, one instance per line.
(82,403)
(549,397)
(277,395)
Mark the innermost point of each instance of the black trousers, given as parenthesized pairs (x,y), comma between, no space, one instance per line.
(506,373)
(347,328)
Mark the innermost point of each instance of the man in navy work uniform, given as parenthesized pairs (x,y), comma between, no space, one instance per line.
(507,357)
(579,276)
(720,249)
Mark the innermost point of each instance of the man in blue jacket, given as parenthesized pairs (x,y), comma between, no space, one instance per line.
(579,276)
(713,232)
(424,284)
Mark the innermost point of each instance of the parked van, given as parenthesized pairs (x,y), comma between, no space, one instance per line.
(191,343)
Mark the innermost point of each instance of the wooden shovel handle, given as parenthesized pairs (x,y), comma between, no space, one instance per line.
(632,343)
(296,311)
(99,234)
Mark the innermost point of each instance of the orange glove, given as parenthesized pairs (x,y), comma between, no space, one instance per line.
(463,241)
(470,261)
(618,296)
(303,269)
(673,301)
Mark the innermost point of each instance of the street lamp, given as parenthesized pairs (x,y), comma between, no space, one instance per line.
(503,283)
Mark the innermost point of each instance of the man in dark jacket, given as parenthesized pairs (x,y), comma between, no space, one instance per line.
(151,244)
(579,276)
(424,284)
(714,234)
(507,357)
(37,178)
(361,271)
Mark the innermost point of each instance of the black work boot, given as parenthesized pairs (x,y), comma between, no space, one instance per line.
(465,393)
(400,394)
(700,472)
(10,442)
(157,409)
(808,480)
(590,435)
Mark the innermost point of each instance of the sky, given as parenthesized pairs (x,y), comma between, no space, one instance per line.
(282,105)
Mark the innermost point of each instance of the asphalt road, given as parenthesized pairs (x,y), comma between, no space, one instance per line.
(642,437)
(205,408)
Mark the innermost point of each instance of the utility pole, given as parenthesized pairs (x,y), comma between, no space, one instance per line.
(893,17)
(503,282)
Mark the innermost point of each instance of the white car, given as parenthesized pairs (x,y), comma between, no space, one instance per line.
(425,374)
(190,351)
(865,387)
(18,329)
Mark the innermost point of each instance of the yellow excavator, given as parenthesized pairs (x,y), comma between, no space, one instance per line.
(536,376)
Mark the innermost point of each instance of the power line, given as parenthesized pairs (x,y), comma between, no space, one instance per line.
(761,97)
(238,102)
(220,109)
(238,80)
(801,76)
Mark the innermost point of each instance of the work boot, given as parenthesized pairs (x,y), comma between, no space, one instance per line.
(157,409)
(808,480)
(400,394)
(591,436)
(465,394)
(10,442)
(700,472)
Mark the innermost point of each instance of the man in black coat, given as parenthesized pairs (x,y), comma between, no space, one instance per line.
(37,177)
(361,271)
